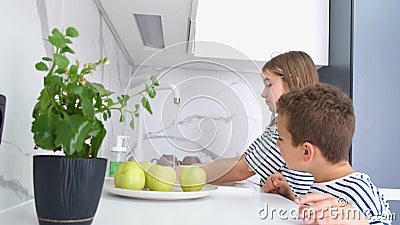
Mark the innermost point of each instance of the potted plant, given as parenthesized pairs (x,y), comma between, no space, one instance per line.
(68,188)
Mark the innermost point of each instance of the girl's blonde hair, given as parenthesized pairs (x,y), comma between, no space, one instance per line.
(294,67)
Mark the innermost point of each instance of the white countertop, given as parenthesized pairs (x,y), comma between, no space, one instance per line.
(236,204)
(391,193)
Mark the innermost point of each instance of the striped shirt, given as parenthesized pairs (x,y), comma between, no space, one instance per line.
(264,158)
(358,190)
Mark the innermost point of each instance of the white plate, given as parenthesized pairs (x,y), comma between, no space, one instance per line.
(175,194)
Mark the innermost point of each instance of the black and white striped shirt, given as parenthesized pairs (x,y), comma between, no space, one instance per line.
(358,190)
(264,158)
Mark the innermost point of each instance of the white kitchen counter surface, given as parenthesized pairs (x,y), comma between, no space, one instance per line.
(235,204)
(391,194)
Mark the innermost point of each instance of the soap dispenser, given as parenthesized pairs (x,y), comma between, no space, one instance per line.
(118,155)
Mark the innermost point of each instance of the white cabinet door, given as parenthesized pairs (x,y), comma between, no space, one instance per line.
(259,29)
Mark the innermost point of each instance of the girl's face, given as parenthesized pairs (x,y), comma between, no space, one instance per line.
(274,87)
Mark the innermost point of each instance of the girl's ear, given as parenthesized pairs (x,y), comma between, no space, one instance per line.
(308,152)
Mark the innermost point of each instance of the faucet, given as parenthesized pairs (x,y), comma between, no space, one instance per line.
(175,90)
(138,150)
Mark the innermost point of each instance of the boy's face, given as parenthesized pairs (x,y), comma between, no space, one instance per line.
(274,87)
(293,156)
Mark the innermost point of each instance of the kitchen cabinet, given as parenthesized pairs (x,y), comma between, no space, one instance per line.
(217,35)
(259,29)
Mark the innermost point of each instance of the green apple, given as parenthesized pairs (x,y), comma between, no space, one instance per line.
(161,178)
(129,175)
(192,178)
(146,166)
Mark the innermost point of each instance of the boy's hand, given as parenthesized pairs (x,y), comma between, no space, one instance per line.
(277,184)
(327,209)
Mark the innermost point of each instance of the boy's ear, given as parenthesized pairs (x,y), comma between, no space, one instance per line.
(308,151)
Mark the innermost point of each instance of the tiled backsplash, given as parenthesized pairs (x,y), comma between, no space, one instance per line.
(219,115)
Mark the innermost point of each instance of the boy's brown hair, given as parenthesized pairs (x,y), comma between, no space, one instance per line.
(322,115)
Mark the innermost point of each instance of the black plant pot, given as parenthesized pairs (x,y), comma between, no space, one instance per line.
(67,190)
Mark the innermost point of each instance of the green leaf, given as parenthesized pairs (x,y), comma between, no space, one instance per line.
(154,80)
(71,133)
(152,93)
(85,71)
(57,39)
(43,129)
(82,154)
(55,42)
(73,78)
(75,89)
(47,59)
(87,103)
(125,99)
(70,101)
(53,85)
(41,66)
(97,140)
(109,113)
(68,41)
(96,127)
(73,69)
(98,104)
(56,33)
(44,101)
(66,49)
(102,61)
(148,108)
(72,32)
(105,116)
(146,105)
(36,109)
(61,61)
(60,71)
(132,124)
(99,89)
(110,102)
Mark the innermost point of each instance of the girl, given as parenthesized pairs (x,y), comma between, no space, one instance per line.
(282,73)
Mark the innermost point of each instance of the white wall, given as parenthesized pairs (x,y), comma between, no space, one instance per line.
(21,47)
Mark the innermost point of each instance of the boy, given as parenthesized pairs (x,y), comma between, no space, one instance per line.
(316,126)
